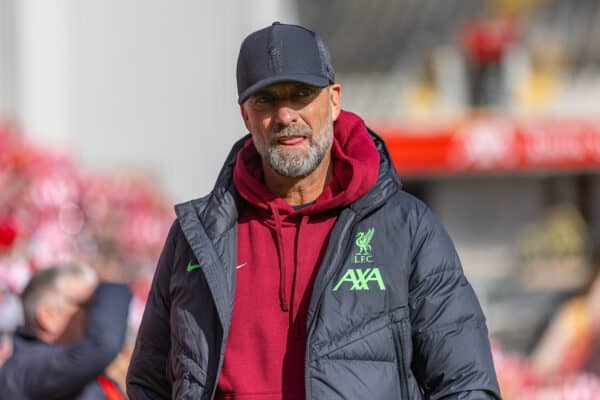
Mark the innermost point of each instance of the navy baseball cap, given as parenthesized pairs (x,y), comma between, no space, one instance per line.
(282,53)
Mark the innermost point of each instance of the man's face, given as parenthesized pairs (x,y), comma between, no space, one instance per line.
(65,314)
(292,125)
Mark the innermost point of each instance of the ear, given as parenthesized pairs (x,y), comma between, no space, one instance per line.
(245,117)
(335,99)
(45,317)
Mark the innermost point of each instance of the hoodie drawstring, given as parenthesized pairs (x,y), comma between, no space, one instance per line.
(284,269)
(282,259)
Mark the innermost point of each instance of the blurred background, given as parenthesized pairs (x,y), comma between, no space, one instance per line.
(112,111)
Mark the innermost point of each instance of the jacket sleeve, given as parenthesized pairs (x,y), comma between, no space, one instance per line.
(452,358)
(62,370)
(147,374)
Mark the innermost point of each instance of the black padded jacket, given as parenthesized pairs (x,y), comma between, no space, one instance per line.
(391,316)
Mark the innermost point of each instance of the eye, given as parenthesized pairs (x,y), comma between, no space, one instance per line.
(263,98)
(303,91)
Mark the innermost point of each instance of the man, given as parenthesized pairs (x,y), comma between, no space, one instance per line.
(73,329)
(11,316)
(307,272)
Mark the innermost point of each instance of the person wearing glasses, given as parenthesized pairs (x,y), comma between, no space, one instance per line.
(73,328)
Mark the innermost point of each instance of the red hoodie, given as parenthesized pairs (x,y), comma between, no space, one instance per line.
(279,251)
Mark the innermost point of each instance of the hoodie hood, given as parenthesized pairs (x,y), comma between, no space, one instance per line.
(355,161)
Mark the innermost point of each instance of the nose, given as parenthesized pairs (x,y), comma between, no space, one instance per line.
(285,115)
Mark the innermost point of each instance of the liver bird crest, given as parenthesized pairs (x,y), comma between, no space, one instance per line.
(363,242)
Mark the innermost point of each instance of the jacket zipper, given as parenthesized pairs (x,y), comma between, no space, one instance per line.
(400,360)
(327,280)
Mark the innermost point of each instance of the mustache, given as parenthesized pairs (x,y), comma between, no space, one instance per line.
(291,131)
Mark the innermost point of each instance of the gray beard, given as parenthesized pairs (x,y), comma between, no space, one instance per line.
(297,163)
(300,163)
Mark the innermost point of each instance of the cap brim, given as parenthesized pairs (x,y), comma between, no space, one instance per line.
(313,80)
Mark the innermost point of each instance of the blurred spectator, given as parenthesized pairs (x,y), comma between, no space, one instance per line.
(72,331)
(11,316)
(569,344)
(485,43)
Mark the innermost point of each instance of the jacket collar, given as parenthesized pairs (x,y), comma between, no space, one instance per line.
(219,210)
(388,182)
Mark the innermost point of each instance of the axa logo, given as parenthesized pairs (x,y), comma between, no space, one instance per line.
(363,242)
(359,279)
